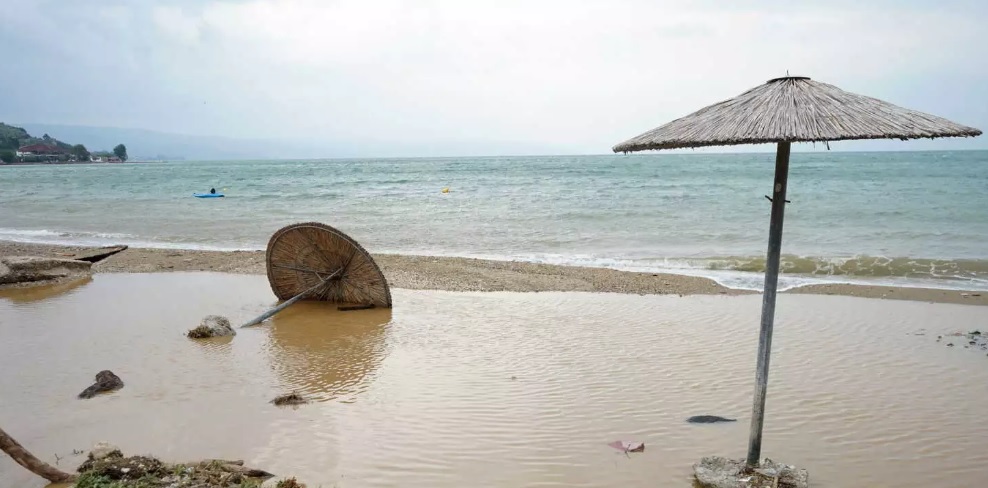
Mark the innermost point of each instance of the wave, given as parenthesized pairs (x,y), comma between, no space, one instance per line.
(83,238)
(747,272)
(45,233)
(863,266)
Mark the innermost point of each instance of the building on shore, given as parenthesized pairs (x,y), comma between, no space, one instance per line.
(102,158)
(39,150)
(42,152)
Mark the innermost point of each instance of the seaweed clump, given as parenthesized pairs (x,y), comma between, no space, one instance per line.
(289,483)
(114,470)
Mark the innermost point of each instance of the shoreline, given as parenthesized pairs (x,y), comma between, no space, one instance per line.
(470,274)
(67,163)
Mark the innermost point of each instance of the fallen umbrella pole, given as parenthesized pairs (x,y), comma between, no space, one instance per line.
(266,315)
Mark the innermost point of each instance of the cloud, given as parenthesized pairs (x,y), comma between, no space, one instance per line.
(583,75)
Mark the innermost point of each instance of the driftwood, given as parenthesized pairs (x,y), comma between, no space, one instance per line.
(30,462)
(102,254)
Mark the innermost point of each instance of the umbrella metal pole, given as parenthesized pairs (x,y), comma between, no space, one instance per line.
(768,302)
(266,315)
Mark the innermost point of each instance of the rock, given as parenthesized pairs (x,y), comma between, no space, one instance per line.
(212,326)
(40,270)
(289,483)
(708,419)
(719,472)
(292,398)
(106,381)
(103,450)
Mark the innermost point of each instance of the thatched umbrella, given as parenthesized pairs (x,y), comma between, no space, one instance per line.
(311,260)
(783,111)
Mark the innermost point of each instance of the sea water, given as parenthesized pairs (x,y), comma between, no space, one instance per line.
(452,390)
(904,218)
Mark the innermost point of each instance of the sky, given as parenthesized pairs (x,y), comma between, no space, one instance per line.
(435,77)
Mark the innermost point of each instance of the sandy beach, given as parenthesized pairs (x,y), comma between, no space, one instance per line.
(464,274)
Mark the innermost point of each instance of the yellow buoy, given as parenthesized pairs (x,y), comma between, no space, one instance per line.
(446,190)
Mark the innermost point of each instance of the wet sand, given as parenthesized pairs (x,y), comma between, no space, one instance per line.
(493,389)
(462,274)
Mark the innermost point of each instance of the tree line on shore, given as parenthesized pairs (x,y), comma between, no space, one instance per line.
(12,139)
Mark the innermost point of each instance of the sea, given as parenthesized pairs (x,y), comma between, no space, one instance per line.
(886,218)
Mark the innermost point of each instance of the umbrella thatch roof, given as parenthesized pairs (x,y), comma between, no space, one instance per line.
(795,109)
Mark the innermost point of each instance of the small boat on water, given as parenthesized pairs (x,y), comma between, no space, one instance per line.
(207,195)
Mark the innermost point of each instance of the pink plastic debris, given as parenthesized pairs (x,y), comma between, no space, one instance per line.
(628,446)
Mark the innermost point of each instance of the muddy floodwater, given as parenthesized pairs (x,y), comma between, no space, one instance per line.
(493,389)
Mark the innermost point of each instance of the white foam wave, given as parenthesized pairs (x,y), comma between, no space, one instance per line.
(82,238)
(739,280)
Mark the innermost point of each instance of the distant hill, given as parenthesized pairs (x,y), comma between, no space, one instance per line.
(17,145)
(12,137)
(147,144)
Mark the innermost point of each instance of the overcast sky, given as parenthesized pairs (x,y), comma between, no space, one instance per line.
(570,74)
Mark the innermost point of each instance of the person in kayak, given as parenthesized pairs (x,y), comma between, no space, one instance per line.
(212,191)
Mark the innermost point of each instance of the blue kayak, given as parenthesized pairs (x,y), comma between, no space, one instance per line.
(207,195)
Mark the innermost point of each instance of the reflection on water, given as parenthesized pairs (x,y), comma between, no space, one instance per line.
(324,353)
(495,389)
(36,293)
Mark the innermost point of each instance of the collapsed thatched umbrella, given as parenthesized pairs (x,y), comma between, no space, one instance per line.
(783,111)
(311,260)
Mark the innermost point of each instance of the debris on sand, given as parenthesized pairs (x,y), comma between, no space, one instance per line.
(719,472)
(107,467)
(106,381)
(117,467)
(114,470)
(212,326)
(289,483)
(974,339)
(292,398)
